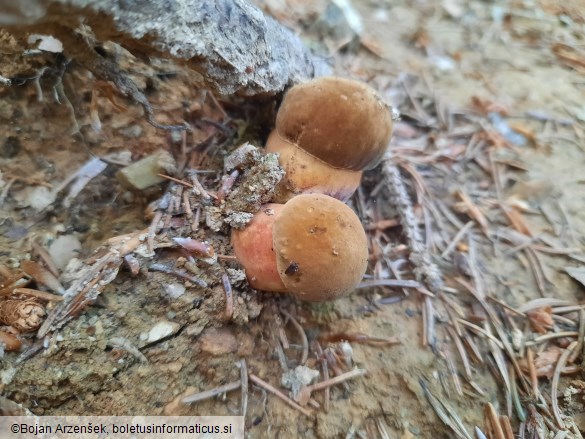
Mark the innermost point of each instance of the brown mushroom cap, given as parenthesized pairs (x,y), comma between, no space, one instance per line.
(340,121)
(321,247)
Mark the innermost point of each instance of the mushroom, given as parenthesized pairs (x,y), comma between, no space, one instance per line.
(314,247)
(328,131)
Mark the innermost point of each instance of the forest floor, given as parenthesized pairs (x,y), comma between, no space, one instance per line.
(491,146)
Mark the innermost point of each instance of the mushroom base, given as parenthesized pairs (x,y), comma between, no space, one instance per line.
(253,248)
(307,174)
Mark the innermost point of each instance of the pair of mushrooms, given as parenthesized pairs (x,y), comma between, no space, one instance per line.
(314,246)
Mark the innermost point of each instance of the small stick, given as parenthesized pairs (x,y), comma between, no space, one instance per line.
(281,334)
(301,332)
(547,337)
(506,427)
(555,383)
(476,387)
(515,395)
(336,380)
(456,239)
(567,309)
(532,371)
(179,273)
(46,257)
(474,212)
(536,269)
(198,187)
(314,403)
(382,224)
(244,378)
(545,301)
(152,231)
(505,305)
(482,331)
(426,271)
(39,294)
(227,257)
(389,283)
(189,212)
(472,347)
(229,297)
(211,393)
(327,395)
(461,350)
(176,180)
(278,393)
(580,338)
(429,320)
(491,417)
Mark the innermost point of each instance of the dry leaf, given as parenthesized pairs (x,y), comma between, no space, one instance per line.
(541,319)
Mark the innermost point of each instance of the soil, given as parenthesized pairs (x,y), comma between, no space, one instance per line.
(461,73)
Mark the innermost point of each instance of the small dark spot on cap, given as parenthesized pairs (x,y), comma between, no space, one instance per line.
(293,268)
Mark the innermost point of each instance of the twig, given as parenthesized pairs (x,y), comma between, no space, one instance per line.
(429,320)
(244,378)
(323,360)
(461,350)
(152,231)
(515,395)
(46,257)
(336,380)
(536,269)
(189,212)
(474,212)
(278,393)
(301,332)
(505,305)
(491,417)
(229,296)
(456,239)
(38,294)
(179,273)
(176,180)
(555,383)
(389,283)
(281,334)
(211,393)
(580,338)
(506,427)
(426,271)
(532,372)
(550,336)
(482,331)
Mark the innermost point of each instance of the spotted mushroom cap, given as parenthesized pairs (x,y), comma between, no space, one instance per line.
(340,121)
(321,247)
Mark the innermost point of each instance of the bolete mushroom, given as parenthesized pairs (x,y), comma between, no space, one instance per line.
(314,247)
(328,131)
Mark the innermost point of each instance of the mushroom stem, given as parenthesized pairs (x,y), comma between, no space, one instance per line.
(254,250)
(308,174)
